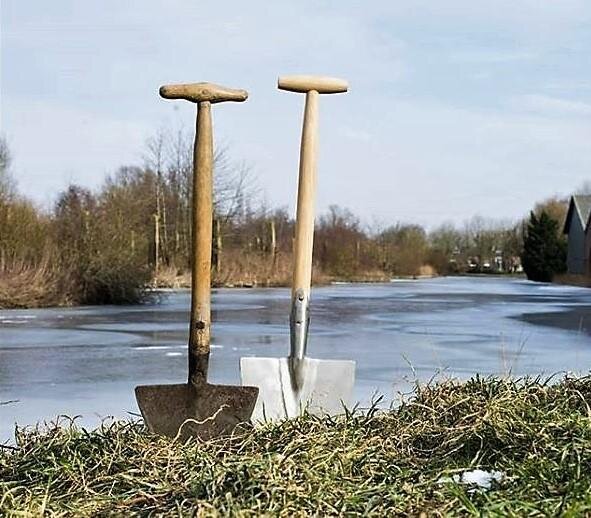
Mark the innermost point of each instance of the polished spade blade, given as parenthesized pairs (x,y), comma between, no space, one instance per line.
(204,410)
(325,387)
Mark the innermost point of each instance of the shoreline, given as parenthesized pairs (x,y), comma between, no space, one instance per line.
(182,282)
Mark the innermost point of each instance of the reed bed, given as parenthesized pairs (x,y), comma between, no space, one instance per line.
(31,287)
(407,460)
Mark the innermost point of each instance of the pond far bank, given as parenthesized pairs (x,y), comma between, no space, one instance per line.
(29,289)
(34,288)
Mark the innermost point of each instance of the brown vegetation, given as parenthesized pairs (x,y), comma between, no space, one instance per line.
(134,233)
(30,287)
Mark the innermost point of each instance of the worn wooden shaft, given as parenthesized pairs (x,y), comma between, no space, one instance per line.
(304,231)
(199,333)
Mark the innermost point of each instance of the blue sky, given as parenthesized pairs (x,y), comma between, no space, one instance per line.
(455,108)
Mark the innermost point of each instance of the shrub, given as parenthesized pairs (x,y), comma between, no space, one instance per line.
(544,252)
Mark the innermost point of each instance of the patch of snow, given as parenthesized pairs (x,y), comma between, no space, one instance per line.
(476,477)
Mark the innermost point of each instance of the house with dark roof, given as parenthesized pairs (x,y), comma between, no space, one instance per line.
(578,229)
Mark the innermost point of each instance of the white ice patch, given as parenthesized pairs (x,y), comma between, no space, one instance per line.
(158,347)
(16,319)
(476,477)
(168,347)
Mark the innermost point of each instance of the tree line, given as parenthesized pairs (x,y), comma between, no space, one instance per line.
(112,244)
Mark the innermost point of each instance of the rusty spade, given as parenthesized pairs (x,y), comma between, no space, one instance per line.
(199,408)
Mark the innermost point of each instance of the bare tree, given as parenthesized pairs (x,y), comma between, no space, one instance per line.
(155,161)
(234,186)
(584,188)
(6,183)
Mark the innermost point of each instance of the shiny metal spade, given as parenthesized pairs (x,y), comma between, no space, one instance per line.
(288,386)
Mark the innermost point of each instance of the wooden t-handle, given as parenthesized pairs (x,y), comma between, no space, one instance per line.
(200,92)
(303,84)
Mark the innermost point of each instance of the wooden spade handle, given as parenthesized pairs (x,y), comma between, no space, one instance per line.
(199,332)
(304,231)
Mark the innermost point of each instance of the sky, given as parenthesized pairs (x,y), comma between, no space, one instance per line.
(455,108)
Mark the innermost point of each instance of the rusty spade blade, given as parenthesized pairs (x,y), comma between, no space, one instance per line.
(198,408)
(202,410)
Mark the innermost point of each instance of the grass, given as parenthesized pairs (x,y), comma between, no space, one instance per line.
(381,463)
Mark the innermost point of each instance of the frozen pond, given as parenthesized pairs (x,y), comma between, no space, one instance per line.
(87,360)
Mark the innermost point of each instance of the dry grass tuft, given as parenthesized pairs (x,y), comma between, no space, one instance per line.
(31,287)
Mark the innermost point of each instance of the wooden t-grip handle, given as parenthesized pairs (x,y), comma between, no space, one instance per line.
(304,84)
(198,92)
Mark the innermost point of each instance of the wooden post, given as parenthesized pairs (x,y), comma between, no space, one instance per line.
(165,245)
(273,246)
(156,242)
(217,250)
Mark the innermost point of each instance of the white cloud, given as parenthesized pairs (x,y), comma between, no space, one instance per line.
(485,56)
(569,85)
(552,105)
(355,134)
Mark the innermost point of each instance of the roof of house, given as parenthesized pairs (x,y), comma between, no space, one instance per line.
(581,203)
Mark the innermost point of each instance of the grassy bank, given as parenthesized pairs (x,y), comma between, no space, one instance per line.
(406,461)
